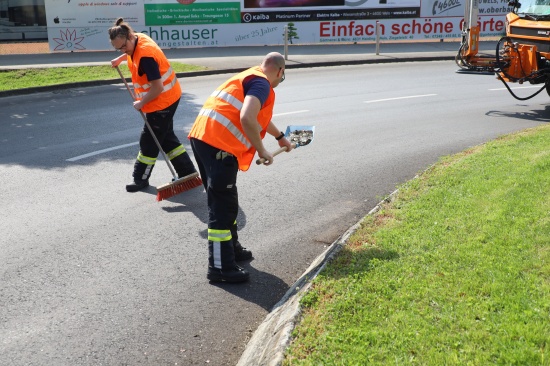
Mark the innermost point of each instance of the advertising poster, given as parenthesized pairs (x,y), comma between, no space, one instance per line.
(261,11)
(455,8)
(186,12)
(77,25)
(81,25)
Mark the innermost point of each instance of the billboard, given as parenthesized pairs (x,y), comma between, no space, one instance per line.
(81,25)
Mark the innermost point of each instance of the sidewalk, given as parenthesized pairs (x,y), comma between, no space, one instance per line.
(230,58)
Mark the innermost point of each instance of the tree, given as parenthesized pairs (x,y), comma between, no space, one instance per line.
(291,32)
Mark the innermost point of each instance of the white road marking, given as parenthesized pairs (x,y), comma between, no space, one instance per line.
(284,114)
(519,87)
(409,97)
(80,157)
(94,153)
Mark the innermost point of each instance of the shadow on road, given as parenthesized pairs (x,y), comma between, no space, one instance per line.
(194,201)
(254,291)
(538,115)
(261,283)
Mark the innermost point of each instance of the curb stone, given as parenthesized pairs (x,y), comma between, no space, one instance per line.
(272,337)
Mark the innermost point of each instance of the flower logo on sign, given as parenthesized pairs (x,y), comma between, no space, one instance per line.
(68,41)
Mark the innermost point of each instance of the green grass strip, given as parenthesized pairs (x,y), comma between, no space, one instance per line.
(454,271)
(30,78)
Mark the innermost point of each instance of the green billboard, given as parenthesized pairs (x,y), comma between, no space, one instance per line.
(206,13)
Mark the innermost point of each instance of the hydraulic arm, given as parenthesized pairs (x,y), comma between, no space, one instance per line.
(522,55)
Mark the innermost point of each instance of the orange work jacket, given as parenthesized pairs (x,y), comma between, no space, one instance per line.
(219,122)
(146,47)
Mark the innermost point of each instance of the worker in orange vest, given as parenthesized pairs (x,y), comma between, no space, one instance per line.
(157,93)
(225,137)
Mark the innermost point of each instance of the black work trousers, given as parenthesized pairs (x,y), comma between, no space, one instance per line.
(162,124)
(218,171)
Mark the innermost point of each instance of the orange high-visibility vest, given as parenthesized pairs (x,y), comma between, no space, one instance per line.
(219,123)
(146,47)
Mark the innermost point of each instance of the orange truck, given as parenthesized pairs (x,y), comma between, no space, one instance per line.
(522,55)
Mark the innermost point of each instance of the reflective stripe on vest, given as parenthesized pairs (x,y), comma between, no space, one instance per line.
(163,78)
(221,119)
(218,123)
(171,93)
(220,94)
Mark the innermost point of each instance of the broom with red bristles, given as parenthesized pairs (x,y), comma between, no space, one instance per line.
(178,185)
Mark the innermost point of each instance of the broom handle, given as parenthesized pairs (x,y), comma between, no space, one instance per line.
(148,126)
(274,153)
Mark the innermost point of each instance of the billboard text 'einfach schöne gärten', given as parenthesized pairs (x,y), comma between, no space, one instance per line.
(81,25)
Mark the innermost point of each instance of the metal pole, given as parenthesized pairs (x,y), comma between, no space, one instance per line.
(286,42)
(377,37)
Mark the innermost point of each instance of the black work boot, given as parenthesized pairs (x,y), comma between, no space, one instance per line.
(221,263)
(137,185)
(241,253)
(141,175)
(235,274)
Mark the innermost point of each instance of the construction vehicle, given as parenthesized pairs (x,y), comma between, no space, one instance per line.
(522,55)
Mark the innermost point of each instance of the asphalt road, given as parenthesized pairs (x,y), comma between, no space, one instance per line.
(92,275)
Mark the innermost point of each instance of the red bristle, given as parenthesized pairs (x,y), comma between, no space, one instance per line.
(177,187)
